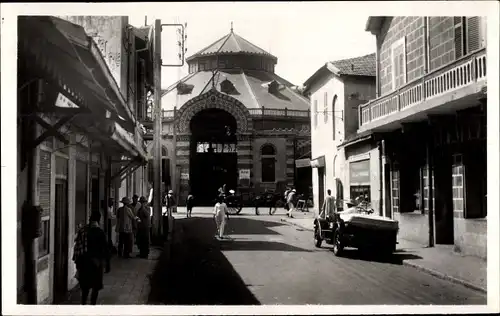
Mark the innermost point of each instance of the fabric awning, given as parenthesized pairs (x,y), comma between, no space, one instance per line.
(64,54)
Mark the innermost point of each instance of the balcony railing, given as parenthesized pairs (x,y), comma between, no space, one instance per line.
(451,77)
(267,112)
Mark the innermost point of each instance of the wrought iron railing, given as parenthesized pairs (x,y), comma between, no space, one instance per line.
(451,77)
(258,112)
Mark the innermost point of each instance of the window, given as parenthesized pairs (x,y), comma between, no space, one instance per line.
(315,113)
(43,241)
(476,33)
(398,55)
(362,191)
(325,108)
(268,161)
(164,152)
(333,114)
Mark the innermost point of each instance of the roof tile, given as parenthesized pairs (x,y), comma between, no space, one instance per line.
(357,66)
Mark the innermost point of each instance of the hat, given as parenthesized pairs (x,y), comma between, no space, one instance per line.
(170,192)
(294,190)
(231,191)
(125,200)
(143,199)
(135,196)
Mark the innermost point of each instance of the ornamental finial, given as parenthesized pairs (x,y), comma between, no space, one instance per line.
(231,26)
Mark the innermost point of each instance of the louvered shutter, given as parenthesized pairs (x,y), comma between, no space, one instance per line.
(45,169)
(473,33)
(398,52)
(459,48)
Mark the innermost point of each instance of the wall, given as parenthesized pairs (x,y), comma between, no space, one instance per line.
(441,41)
(109,34)
(357,91)
(281,160)
(392,30)
(471,237)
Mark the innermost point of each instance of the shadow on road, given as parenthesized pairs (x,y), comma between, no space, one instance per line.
(396,258)
(247,226)
(258,246)
(197,272)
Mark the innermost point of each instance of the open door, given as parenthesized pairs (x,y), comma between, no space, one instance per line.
(61,242)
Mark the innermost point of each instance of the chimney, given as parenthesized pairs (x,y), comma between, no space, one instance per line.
(272,87)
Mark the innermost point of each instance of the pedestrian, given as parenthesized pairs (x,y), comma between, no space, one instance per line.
(285,198)
(220,212)
(328,208)
(143,228)
(189,205)
(135,206)
(291,202)
(91,256)
(125,228)
(170,202)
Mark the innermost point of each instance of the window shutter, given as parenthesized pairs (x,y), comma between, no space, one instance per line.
(473,33)
(459,39)
(44,181)
(398,53)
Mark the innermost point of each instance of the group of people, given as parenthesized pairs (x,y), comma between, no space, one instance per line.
(92,250)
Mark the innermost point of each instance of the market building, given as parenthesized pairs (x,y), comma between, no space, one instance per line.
(232,120)
(342,161)
(82,88)
(430,114)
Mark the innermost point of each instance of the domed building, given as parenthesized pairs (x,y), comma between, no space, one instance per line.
(233,121)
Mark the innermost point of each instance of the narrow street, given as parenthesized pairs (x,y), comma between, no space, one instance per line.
(266,261)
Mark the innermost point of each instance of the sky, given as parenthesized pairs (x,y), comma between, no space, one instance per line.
(302,42)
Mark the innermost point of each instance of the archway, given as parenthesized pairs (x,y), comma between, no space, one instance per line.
(213,158)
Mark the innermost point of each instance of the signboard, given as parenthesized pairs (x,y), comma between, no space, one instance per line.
(302,163)
(184,176)
(216,148)
(359,172)
(244,174)
(318,162)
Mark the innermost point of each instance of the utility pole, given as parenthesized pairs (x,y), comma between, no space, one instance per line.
(157,198)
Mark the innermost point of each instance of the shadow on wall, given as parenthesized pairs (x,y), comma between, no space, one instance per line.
(194,271)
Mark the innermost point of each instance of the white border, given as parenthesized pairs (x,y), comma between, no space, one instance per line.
(9,14)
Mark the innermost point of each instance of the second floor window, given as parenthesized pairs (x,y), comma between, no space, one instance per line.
(325,107)
(398,59)
(333,115)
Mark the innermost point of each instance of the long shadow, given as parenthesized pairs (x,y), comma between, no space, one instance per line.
(396,258)
(196,272)
(248,226)
(247,245)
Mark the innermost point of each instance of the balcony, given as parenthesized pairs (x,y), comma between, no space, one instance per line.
(448,88)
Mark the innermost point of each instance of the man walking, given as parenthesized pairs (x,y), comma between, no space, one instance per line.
(291,202)
(143,226)
(124,227)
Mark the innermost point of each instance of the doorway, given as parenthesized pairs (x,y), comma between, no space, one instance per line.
(443,198)
(61,241)
(321,187)
(213,158)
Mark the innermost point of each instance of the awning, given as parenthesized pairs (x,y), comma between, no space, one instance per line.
(318,162)
(65,55)
(303,163)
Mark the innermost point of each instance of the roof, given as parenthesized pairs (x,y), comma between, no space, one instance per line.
(231,44)
(364,66)
(356,138)
(250,88)
(374,23)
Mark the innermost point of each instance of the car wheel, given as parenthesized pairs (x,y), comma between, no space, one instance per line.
(317,238)
(338,247)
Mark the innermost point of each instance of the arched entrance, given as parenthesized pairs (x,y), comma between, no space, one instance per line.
(213,158)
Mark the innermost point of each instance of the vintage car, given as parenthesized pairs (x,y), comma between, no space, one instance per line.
(358,227)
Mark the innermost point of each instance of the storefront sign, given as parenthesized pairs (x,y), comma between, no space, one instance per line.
(359,172)
(216,148)
(244,174)
(318,162)
(184,176)
(303,163)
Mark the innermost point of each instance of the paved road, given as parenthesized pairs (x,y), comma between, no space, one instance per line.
(270,262)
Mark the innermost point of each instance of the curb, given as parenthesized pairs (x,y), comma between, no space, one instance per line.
(295,224)
(444,276)
(418,267)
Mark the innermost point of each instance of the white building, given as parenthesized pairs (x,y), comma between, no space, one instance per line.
(336,90)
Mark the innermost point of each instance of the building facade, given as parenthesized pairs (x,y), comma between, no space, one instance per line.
(336,90)
(233,121)
(86,146)
(430,114)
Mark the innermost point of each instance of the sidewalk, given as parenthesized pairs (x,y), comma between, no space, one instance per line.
(440,261)
(126,284)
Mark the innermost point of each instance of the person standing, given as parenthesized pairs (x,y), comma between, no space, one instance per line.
(285,198)
(291,202)
(124,227)
(170,201)
(189,205)
(91,256)
(328,208)
(135,206)
(143,228)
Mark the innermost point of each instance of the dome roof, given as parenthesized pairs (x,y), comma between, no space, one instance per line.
(231,44)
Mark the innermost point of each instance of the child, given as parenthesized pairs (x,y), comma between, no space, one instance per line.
(220,210)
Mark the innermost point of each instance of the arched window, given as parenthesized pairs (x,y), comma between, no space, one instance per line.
(164,152)
(333,114)
(268,161)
